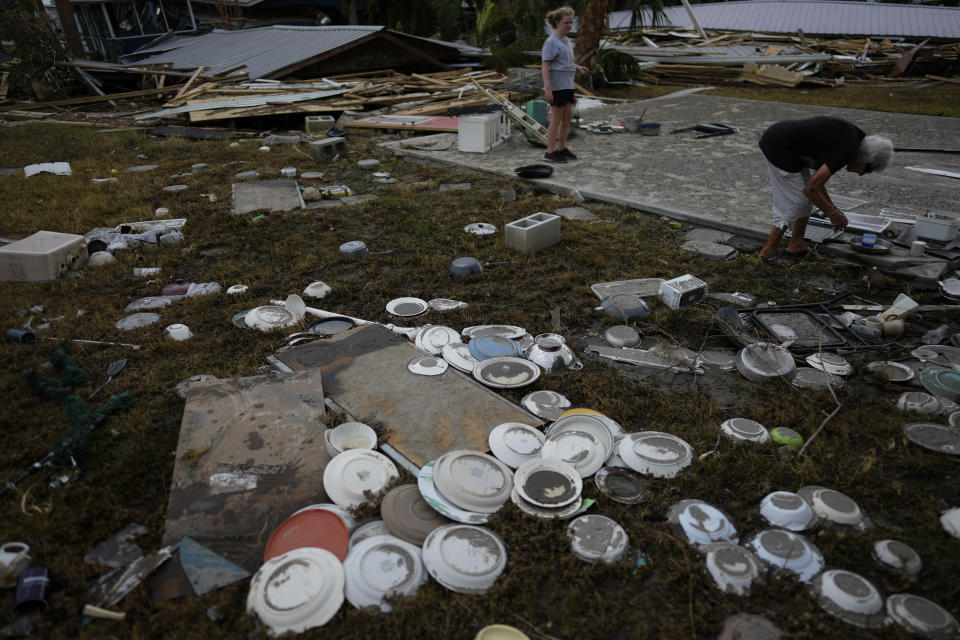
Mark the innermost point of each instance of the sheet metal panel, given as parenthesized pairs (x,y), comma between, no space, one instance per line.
(815,18)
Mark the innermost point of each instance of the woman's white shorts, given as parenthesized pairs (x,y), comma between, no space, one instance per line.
(789,203)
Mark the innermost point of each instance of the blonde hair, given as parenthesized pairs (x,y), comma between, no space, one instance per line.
(555,16)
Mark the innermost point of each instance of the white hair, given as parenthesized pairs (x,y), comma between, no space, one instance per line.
(877,152)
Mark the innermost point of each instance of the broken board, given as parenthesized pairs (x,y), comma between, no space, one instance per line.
(365,372)
(251,452)
(272,195)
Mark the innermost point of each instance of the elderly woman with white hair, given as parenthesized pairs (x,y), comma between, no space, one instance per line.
(801,156)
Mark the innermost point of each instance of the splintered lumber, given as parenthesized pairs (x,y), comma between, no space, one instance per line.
(434,108)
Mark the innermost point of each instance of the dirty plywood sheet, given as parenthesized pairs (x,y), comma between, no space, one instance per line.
(251,452)
(273,195)
(365,372)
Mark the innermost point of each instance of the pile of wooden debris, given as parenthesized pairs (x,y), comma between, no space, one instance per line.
(668,56)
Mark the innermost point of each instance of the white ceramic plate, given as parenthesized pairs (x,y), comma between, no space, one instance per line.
(297,590)
(458,355)
(502,330)
(921,616)
(787,510)
(898,556)
(427,365)
(745,430)
(353,472)
(831,363)
(472,480)
(621,485)
(603,429)
(480,228)
(655,453)
(850,597)
(580,449)
(433,338)
(596,538)
(443,506)
(137,321)
(406,307)
(784,550)
(935,437)
(831,505)
(543,512)
(514,443)
(547,482)
(702,523)
(891,371)
(366,530)
(382,566)
(446,304)
(505,372)
(733,568)
(464,558)
(545,404)
(269,317)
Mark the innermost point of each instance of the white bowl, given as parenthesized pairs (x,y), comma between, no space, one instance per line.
(297,590)
(353,435)
(787,510)
(382,566)
(464,558)
(733,568)
(702,523)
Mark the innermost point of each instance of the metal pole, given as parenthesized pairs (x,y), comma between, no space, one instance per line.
(693,18)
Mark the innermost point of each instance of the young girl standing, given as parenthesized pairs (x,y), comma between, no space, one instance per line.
(558,69)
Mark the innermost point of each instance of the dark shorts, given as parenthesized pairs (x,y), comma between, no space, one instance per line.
(563,97)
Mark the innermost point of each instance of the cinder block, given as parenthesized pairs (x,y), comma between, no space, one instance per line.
(327,148)
(318,124)
(533,232)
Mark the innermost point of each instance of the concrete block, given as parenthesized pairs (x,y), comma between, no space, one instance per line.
(318,124)
(328,148)
(533,232)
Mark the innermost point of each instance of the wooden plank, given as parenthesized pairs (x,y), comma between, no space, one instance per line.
(942,79)
(91,99)
(208,115)
(440,106)
(189,82)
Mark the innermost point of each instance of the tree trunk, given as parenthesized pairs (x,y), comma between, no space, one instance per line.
(592,27)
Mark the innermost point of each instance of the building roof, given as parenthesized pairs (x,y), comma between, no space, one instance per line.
(828,17)
(271,52)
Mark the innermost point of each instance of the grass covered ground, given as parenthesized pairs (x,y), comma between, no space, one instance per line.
(123,474)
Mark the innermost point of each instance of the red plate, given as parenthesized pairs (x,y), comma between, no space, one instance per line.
(311,528)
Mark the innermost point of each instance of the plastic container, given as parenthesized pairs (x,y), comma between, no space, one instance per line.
(650,129)
(868,240)
(939,229)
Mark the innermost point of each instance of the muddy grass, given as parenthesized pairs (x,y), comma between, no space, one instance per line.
(123,474)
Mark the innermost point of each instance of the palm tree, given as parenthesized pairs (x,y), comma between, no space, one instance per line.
(593,24)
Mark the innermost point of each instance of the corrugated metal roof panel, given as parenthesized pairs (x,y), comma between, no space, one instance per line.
(264,50)
(828,17)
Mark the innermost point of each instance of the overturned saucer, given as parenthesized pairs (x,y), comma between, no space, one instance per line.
(785,551)
(433,338)
(935,437)
(889,371)
(787,510)
(465,558)
(514,443)
(445,304)
(831,363)
(922,617)
(850,597)
(137,321)
(480,228)
(655,453)
(622,485)
(733,568)
(834,507)
(817,379)
(897,556)
(458,355)
(545,404)
(745,430)
(702,523)
(597,538)
(427,365)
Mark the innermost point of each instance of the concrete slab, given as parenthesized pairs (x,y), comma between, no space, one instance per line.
(575,213)
(722,181)
(273,195)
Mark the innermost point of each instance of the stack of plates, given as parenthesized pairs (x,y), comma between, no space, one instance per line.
(427,365)
(440,504)
(473,481)
(298,590)
(655,453)
(547,488)
(464,558)
(433,338)
(380,567)
(354,472)
(514,443)
(408,516)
